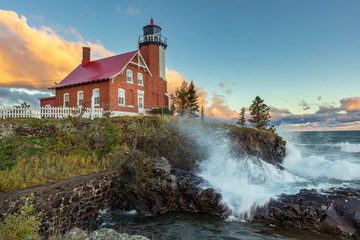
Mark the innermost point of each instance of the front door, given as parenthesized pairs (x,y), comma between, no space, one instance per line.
(140,102)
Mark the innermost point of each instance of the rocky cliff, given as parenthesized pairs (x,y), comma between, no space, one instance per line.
(262,144)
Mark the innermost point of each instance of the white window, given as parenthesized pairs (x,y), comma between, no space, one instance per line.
(80,98)
(129,76)
(121,94)
(96,94)
(140,79)
(66,100)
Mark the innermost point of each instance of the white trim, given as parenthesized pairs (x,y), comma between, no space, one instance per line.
(143,66)
(82,98)
(142,79)
(141,109)
(142,59)
(132,76)
(66,94)
(123,91)
(96,104)
(130,106)
(122,70)
(122,113)
(169,100)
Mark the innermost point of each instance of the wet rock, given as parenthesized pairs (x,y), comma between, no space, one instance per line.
(163,189)
(264,145)
(335,211)
(161,167)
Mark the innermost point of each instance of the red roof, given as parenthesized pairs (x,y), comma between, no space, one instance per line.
(97,70)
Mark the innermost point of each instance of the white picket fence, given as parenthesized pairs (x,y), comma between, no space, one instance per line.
(52,112)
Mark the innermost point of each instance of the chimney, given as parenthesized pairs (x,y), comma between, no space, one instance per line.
(86,56)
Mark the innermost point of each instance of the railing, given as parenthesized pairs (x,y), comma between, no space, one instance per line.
(52,112)
(152,39)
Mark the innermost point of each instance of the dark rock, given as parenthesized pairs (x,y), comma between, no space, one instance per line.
(264,145)
(163,189)
(335,211)
(41,131)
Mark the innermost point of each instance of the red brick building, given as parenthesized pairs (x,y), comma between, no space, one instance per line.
(128,83)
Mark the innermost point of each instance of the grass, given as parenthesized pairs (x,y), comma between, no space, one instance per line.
(82,146)
(32,172)
(24,224)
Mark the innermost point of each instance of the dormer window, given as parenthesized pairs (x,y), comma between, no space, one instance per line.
(129,76)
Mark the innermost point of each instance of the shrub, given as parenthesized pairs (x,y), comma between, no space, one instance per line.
(24,224)
(162,111)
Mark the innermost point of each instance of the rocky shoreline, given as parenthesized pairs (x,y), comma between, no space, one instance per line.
(104,233)
(336,211)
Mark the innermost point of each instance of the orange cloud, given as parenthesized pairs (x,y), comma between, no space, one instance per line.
(218,109)
(350,104)
(36,58)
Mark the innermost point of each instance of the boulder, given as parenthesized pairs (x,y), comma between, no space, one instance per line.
(335,211)
(262,144)
(75,234)
(6,129)
(151,187)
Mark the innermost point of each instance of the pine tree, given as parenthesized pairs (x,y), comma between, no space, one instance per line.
(202,113)
(192,100)
(242,121)
(260,113)
(180,99)
(185,100)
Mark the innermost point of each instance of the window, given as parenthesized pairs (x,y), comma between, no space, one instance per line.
(66,100)
(96,94)
(140,79)
(121,94)
(129,76)
(80,98)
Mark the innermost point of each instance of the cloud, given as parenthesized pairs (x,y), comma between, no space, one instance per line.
(15,96)
(327,109)
(219,109)
(304,105)
(350,104)
(277,113)
(130,10)
(225,87)
(44,55)
(37,17)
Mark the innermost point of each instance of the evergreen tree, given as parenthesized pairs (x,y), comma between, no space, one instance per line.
(185,100)
(242,121)
(180,99)
(260,113)
(202,113)
(192,100)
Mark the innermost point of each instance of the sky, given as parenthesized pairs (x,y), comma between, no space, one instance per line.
(301,56)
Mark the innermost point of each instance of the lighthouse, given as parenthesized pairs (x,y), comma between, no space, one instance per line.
(152,45)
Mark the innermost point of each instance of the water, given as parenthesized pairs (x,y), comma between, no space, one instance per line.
(315,160)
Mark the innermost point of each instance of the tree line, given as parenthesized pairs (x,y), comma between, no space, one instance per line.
(185,102)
